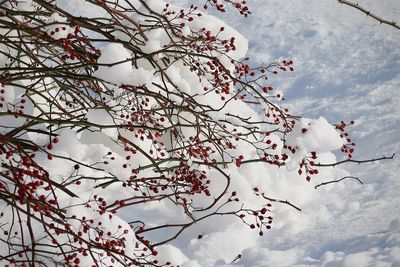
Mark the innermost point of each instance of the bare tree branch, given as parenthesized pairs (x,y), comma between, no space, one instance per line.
(370,14)
(281,201)
(353,161)
(337,181)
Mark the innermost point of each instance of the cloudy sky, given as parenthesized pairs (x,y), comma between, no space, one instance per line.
(347,66)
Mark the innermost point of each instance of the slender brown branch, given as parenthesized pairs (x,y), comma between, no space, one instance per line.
(339,180)
(353,161)
(370,14)
(281,201)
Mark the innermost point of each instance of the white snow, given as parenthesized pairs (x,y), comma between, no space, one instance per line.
(346,68)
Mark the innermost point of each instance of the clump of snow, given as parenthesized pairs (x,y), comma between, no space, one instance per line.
(118,67)
(113,224)
(311,135)
(102,117)
(225,244)
(168,252)
(58,30)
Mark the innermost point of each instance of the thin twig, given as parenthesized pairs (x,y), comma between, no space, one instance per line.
(354,161)
(368,13)
(337,181)
(281,201)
